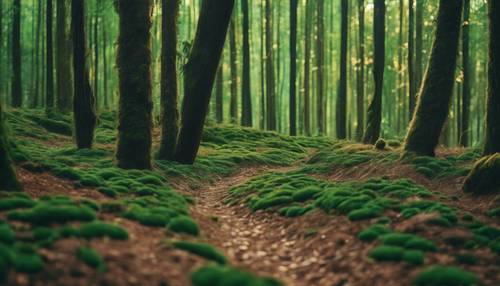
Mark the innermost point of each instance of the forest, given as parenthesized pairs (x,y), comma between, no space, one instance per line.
(250,142)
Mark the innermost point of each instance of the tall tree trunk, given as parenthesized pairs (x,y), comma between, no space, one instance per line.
(8,178)
(342,96)
(233,110)
(169,98)
(307,69)
(270,80)
(83,100)
(360,77)
(49,92)
(293,66)
(104,34)
(374,118)
(64,76)
(411,57)
(492,138)
(419,51)
(134,72)
(95,36)
(320,62)
(466,92)
(401,81)
(199,74)
(437,88)
(36,95)
(219,93)
(246,98)
(262,121)
(17,92)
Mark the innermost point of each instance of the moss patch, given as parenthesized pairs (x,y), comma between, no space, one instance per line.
(201,249)
(445,275)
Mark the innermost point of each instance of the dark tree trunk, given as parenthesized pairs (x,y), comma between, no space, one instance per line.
(437,88)
(219,93)
(320,62)
(8,178)
(293,66)
(95,36)
(374,116)
(134,72)
(199,74)
(360,77)
(270,80)
(49,91)
(64,75)
(83,100)
(465,116)
(492,140)
(233,58)
(419,51)
(246,98)
(169,98)
(36,95)
(17,92)
(342,96)
(104,34)
(411,57)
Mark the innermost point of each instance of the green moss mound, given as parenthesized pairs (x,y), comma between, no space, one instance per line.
(99,229)
(483,178)
(184,224)
(228,276)
(373,232)
(12,203)
(445,276)
(201,249)
(387,253)
(46,214)
(91,257)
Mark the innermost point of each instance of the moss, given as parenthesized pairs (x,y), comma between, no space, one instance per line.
(46,214)
(373,232)
(483,177)
(44,236)
(112,207)
(387,253)
(99,229)
(489,232)
(89,180)
(295,211)
(414,257)
(396,239)
(420,244)
(108,192)
(11,203)
(6,234)
(91,257)
(305,194)
(494,212)
(495,246)
(28,263)
(380,144)
(466,258)
(201,249)
(364,213)
(270,202)
(184,224)
(228,276)
(445,275)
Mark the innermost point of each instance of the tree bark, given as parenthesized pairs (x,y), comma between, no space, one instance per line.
(64,74)
(411,57)
(8,178)
(219,93)
(95,35)
(233,58)
(17,93)
(270,79)
(83,100)
(246,98)
(49,91)
(360,76)
(320,62)
(199,74)
(437,88)
(342,96)
(374,118)
(466,87)
(307,69)
(492,136)
(419,51)
(293,67)
(169,98)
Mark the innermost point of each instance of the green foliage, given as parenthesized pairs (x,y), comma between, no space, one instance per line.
(414,257)
(6,234)
(228,276)
(373,232)
(44,214)
(436,168)
(184,224)
(99,229)
(11,203)
(91,257)
(387,253)
(201,249)
(445,275)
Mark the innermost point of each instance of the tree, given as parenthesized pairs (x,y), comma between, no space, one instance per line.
(49,91)
(8,178)
(246,99)
(320,62)
(64,76)
(219,93)
(307,68)
(293,66)
(169,100)
(134,71)
(342,96)
(374,118)
(437,88)
(492,136)
(411,57)
(17,93)
(419,25)
(95,39)
(360,76)
(466,85)
(83,100)
(270,80)
(233,58)
(199,74)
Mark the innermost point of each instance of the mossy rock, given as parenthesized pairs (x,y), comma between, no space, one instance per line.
(228,276)
(484,178)
(445,276)
(201,249)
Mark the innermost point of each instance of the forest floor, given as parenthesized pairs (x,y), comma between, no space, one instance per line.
(304,211)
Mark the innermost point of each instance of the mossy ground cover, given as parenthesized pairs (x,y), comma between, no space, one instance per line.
(444,167)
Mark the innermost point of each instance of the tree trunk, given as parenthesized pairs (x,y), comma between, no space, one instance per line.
(293,66)
(307,69)
(246,97)
(36,95)
(320,62)
(169,98)
(49,92)
(17,93)
(270,80)
(8,178)
(199,74)
(83,101)
(233,110)
(374,118)
(134,71)
(342,96)
(466,92)
(492,139)
(360,77)
(219,93)
(104,34)
(411,57)
(95,36)
(419,51)
(437,88)
(64,76)
(262,121)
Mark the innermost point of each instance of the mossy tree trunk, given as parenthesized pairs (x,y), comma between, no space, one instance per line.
(199,74)
(8,178)
(64,74)
(374,116)
(49,88)
(17,93)
(83,100)
(169,98)
(134,71)
(437,88)
(492,140)
(246,98)
(466,86)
